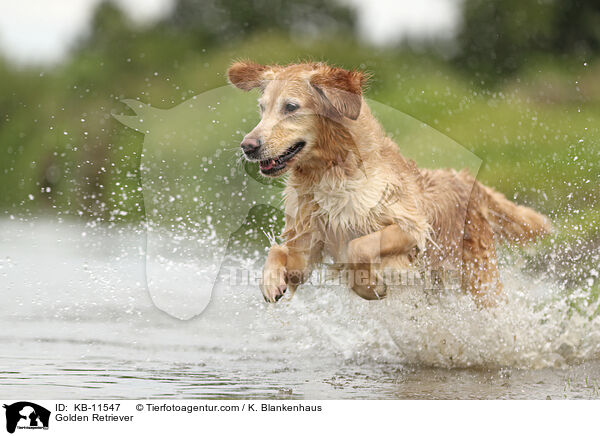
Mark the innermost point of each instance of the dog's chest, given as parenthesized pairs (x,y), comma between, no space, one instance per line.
(341,210)
(347,204)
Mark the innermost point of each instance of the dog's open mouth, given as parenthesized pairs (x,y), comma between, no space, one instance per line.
(272,166)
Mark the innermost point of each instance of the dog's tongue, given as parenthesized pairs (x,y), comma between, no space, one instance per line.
(267,165)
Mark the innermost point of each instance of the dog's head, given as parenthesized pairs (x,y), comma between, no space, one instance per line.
(299,103)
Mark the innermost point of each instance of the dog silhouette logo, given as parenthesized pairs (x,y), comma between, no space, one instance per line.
(26,415)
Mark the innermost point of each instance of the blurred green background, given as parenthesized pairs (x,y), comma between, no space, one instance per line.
(518,85)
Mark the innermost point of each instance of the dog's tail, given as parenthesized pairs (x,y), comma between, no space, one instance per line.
(514,223)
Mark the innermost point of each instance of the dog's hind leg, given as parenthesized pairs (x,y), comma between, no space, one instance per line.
(366,251)
(480,276)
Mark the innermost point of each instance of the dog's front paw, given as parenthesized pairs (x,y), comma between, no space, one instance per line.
(273,284)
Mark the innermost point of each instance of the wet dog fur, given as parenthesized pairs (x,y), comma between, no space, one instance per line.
(352,196)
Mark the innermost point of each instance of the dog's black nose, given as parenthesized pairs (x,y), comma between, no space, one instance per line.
(250,146)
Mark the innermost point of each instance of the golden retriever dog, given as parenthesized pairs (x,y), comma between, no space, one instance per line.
(351,195)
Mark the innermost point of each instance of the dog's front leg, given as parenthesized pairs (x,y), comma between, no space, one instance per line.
(367,250)
(288,266)
(274,277)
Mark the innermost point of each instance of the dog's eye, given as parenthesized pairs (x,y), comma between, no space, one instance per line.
(291,107)
(261,108)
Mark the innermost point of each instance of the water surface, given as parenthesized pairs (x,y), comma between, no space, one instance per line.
(77,322)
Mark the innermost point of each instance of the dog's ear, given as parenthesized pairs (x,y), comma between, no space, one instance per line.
(341,88)
(246,75)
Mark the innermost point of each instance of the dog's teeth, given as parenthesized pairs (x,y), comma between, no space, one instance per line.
(267,165)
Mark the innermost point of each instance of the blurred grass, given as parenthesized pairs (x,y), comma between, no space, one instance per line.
(537,133)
